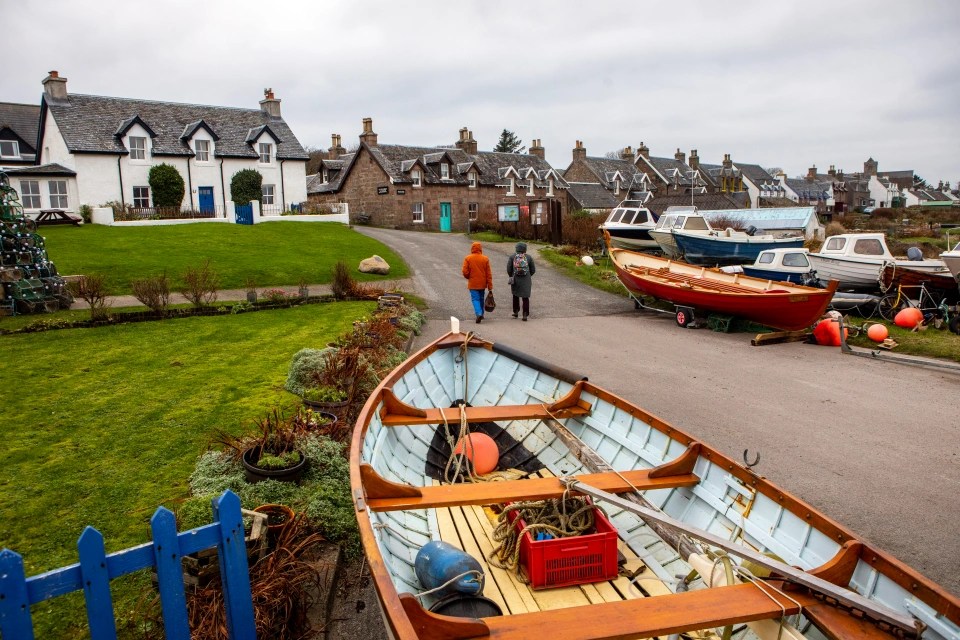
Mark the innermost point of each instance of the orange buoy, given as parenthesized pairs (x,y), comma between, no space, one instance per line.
(480,450)
(877,332)
(827,333)
(908,318)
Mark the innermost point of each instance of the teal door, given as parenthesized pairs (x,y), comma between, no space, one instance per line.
(445,224)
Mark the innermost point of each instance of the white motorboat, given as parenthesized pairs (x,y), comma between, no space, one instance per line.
(683,218)
(857,260)
(629,226)
(952,260)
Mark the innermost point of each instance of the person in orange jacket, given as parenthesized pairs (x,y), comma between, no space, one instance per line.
(476,269)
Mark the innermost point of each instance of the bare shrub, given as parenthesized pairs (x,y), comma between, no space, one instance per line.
(569,250)
(92,289)
(153,292)
(580,228)
(343,282)
(200,285)
(725,222)
(834,229)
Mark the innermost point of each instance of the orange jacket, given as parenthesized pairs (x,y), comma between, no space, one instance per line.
(476,269)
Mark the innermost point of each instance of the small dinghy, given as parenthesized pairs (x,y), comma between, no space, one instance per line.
(699,544)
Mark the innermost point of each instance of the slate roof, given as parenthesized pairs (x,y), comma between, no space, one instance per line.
(754,173)
(336,172)
(710,201)
(810,190)
(776,202)
(930,195)
(51,169)
(605,169)
(23,120)
(669,169)
(89,124)
(592,195)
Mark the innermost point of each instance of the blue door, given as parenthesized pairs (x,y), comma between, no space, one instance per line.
(205,199)
(445,225)
(244,213)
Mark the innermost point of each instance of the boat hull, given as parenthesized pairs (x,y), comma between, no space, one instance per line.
(667,244)
(941,285)
(631,238)
(952,260)
(863,274)
(718,250)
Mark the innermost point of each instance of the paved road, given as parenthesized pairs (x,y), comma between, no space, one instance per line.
(875,446)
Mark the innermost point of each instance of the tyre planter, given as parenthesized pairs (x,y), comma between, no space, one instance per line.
(254,474)
(325,407)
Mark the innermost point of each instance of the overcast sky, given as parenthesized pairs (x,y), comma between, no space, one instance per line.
(785,84)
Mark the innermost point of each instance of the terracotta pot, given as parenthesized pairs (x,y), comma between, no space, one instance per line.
(279,517)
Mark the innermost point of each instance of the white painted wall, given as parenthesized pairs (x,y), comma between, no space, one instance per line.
(881,195)
(53,148)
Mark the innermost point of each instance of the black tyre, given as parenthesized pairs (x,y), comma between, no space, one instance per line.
(683,318)
(888,306)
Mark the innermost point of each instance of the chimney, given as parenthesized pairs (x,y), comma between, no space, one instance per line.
(466,142)
(870,167)
(694,160)
(536,149)
(832,171)
(368,135)
(336,149)
(463,138)
(727,162)
(55,87)
(579,152)
(270,105)
(812,173)
(628,155)
(680,156)
(643,151)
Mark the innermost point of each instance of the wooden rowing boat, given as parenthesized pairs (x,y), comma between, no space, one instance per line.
(942,286)
(563,432)
(781,305)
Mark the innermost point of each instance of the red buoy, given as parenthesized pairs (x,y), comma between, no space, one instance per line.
(827,333)
(877,332)
(480,450)
(908,318)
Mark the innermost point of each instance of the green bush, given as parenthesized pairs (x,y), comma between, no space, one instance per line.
(167,186)
(86,212)
(304,367)
(246,185)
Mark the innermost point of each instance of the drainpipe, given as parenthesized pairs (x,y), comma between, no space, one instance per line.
(223,189)
(189,182)
(283,197)
(123,201)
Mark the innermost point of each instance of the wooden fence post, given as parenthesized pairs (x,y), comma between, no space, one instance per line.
(15,621)
(167,558)
(96,585)
(234,573)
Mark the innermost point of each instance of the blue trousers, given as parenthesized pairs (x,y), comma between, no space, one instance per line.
(476,297)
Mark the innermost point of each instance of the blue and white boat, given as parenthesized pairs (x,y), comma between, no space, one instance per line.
(728,246)
(782,265)
(629,226)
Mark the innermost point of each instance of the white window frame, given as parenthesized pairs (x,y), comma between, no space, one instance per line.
(266,149)
(472,179)
(416,209)
(138,147)
(417,178)
(57,189)
(473,210)
(14,145)
(444,171)
(141,194)
(269,192)
(550,188)
(30,194)
(511,189)
(202,150)
(530,186)
(326,176)
(616,187)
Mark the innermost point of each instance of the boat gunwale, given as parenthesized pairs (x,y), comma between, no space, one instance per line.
(901,574)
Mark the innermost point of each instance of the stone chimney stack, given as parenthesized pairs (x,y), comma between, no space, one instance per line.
(694,160)
(812,173)
(628,155)
(832,171)
(870,167)
(579,152)
(466,142)
(536,149)
(270,105)
(55,87)
(680,156)
(368,135)
(727,162)
(336,148)
(643,151)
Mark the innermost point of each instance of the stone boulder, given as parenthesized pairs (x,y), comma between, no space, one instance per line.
(374,264)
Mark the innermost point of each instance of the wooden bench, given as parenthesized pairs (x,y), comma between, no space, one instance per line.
(57,216)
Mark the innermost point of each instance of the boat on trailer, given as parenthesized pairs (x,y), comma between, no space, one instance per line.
(629,226)
(675,504)
(857,260)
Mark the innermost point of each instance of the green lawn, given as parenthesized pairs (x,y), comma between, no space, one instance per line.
(103,425)
(272,253)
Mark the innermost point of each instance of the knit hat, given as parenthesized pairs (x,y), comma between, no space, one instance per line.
(521,247)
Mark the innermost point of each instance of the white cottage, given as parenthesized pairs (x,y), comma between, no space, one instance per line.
(110,144)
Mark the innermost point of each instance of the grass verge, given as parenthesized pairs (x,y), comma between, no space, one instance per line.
(601,275)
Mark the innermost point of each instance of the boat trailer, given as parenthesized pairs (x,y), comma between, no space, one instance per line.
(887,356)
(685,315)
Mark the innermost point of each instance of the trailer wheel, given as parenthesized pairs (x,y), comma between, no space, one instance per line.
(683,318)
(636,303)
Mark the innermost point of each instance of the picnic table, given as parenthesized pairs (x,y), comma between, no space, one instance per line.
(57,216)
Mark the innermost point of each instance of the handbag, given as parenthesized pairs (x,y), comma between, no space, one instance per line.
(510,280)
(489,304)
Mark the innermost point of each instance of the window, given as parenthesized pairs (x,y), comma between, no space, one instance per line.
(627,217)
(868,247)
(203,150)
(9,149)
(767,257)
(835,244)
(266,150)
(138,148)
(30,194)
(417,210)
(512,187)
(472,179)
(141,197)
(530,186)
(268,191)
(444,171)
(416,176)
(58,194)
(326,176)
(616,187)
(473,210)
(795,260)
(550,188)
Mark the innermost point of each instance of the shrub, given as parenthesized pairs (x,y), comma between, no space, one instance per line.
(834,229)
(200,285)
(166,184)
(580,229)
(726,222)
(342,282)
(324,393)
(86,212)
(153,292)
(92,289)
(275,295)
(246,185)
(121,211)
(304,367)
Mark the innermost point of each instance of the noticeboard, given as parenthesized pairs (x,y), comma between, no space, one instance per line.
(508,212)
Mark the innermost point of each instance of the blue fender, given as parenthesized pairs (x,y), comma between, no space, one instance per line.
(438,562)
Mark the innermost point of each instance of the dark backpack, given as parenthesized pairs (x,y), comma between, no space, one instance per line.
(521,267)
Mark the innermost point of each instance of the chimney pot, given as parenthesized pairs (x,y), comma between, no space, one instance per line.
(54,74)
(536,149)
(368,135)
(680,156)
(643,151)
(55,87)
(579,151)
(270,105)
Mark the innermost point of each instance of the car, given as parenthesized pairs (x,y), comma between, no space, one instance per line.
(869,209)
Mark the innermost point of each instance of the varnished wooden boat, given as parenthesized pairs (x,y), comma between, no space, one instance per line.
(781,305)
(942,285)
(555,425)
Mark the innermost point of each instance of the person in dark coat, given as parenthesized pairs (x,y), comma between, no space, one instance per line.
(520,268)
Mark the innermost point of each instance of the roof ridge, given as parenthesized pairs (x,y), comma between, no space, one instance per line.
(166,102)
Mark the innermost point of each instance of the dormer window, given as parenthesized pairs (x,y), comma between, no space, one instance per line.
(472,179)
(417,178)
(266,150)
(550,188)
(511,189)
(9,149)
(326,176)
(138,148)
(616,187)
(530,186)
(203,150)
(444,171)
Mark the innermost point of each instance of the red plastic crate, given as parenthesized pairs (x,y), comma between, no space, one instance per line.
(562,562)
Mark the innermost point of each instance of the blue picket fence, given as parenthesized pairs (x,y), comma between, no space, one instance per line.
(244,213)
(96,569)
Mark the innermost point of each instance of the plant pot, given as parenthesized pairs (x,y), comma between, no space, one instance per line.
(279,517)
(325,407)
(251,296)
(254,474)
(304,292)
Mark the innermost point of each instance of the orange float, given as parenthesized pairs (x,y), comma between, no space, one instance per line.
(481,451)
(908,318)
(827,333)
(877,332)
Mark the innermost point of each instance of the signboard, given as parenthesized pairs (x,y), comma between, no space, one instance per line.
(382,191)
(401,192)
(525,211)
(508,213)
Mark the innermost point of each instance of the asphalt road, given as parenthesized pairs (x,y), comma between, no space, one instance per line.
(875,446)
